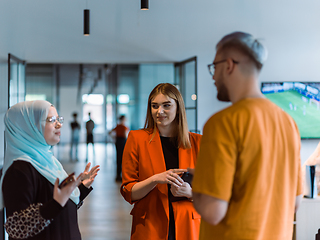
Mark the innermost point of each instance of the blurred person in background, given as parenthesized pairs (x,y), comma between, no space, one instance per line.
(75,134)
(121,132)
(89,128)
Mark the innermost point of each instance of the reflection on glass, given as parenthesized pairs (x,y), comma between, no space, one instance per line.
(33,97)
(94,99)
(17,80)
(123,98)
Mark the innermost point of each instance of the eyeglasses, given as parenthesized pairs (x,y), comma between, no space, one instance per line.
(54,119)
(211,67)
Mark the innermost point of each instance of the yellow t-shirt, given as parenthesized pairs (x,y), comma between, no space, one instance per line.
(250,157)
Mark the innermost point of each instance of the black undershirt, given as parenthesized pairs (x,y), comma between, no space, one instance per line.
(171,157)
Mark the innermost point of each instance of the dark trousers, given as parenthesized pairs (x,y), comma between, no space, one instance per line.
(120,143)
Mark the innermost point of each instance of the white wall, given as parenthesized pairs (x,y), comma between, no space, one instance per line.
(307,148)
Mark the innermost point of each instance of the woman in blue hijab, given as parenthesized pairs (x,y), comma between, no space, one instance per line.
(36,207)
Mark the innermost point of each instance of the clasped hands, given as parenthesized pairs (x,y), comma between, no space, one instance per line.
(86,178)
(179,188)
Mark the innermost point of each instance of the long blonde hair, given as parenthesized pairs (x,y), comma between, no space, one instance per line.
(180,122)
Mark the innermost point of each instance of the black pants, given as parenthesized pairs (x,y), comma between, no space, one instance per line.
(120,143)
(172,228)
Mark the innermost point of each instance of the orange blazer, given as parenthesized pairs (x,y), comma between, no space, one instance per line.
(143,158)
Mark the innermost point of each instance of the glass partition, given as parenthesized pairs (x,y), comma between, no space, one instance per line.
(186,81)
(40,83)
(16,80)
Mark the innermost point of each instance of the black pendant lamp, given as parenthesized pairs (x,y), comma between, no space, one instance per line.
(86,22)
(144,4)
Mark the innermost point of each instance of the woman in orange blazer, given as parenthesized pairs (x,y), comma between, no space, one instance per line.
(154,159)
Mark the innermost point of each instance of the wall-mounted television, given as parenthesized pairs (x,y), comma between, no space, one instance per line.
(301,100)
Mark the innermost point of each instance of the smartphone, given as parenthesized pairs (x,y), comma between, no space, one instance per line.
(67,180)
(187,177)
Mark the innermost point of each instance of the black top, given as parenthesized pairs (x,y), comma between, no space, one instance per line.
(23,185)
(75,125)
(171,157)
(170,152)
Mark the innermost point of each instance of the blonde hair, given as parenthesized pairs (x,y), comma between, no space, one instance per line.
(181,125)
(247,44)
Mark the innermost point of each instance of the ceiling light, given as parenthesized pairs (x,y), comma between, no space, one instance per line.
(86,22)
(144,4)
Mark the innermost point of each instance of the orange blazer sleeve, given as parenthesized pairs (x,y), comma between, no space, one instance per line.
(130,167)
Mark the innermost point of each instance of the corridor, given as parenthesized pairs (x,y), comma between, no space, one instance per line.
(105,215)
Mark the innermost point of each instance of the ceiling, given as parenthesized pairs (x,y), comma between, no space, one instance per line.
(44,31)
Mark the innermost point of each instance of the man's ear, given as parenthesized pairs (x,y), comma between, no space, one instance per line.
(230,65)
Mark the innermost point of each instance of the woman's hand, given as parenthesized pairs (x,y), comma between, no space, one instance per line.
(89,176)
(61,195)
(141,189)
(183,191)
(170,177)
(191,170)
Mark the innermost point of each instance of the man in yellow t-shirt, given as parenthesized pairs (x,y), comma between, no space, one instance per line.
(247,182)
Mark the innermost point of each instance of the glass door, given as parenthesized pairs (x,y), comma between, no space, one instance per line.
(16,80)
(186,80)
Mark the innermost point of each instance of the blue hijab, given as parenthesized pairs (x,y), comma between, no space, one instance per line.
(24,124)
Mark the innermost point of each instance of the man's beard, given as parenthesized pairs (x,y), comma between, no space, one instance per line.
(223,94)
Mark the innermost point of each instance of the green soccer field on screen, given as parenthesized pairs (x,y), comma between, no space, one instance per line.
(300,101)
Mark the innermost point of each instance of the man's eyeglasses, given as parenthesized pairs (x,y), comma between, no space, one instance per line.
(211,66)
(54,119)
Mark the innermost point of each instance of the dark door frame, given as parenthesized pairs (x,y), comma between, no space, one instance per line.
(179,66)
